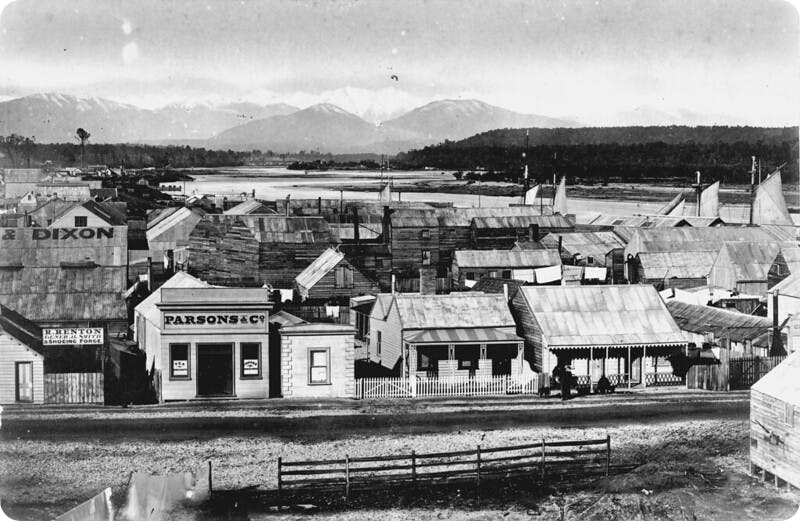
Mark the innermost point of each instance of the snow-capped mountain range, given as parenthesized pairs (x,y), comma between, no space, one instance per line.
(279,127)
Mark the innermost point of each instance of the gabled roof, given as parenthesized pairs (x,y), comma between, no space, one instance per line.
(736,326)
(462,310)
(173,226)
(275,228)
(790,286)
(383,302)
(572,316)
(284,318)
(506,258)
(414,218)
(783,382)
(688,238)
(595,244)
(463,216)
(315,271)
(21,329)
(749,261)
(676,264)
(791,254)
(523,221)
(251,206)
(148,307)
(106,211)
(495,285)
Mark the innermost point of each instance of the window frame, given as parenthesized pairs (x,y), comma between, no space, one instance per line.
(188,347)
(311,366)
(347,277)
(243,376)
(426,257)
(84,220)
(379,339)
(425,234)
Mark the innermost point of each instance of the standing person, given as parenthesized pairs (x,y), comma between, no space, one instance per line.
(566,381)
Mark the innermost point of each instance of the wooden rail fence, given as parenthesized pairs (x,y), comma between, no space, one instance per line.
(73,388)
(542,460)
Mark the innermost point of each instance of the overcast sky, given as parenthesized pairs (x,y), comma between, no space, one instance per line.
(594,61)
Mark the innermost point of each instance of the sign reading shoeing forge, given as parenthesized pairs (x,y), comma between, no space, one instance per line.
(55,234)
(205,320)
(72,336)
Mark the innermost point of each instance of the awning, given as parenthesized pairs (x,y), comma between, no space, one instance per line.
(612,347)
(462,336)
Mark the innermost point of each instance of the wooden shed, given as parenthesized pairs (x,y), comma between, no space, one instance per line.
(743,266)
(775,424)
(471,265)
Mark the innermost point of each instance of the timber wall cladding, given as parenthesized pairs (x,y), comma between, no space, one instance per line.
(74,388)
(779,453)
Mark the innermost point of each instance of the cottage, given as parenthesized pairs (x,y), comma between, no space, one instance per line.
(739,333)
(671,269)
(331,277)
(430,336)
(204,341)
(21,363)
(623,332)
(471,265)
(775,424)
(317,361)
(743,266)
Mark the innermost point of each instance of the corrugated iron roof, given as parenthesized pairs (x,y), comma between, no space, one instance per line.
(495,285)
(465,310)
(750,261)
(791,254)
(733,325)
(307,278)
(523,221)
(595,244)
(148,309)
(175,226)
(688,238)
(783,382)
(251,206)
(640,221)
(677,264)
(506,258)
(789,286)
(462,336)
(284,318)
(463,216)
(414,218)
(275,228)
(601,315)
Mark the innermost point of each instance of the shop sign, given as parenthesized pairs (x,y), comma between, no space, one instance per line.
(215,321)
(56,234)
(180,368)
(250,367)
(73,336)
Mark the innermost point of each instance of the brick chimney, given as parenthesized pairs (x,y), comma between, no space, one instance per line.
(427,280)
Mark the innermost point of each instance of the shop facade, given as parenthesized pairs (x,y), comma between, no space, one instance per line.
(210,343)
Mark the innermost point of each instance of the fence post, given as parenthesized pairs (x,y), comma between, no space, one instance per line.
(478,462)
(280,502)
(210,482)
(543,462)
(346,477)
(608,452)
(414,468)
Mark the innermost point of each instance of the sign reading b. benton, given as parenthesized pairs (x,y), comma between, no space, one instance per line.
(68,337)
(237,320)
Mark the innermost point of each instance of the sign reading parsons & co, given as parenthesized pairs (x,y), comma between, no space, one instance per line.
(217,320)
(55,234)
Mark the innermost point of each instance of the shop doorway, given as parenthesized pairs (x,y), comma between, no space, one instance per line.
(215,370)
(24,381)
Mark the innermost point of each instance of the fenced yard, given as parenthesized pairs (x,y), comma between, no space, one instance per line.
(452,386)
(74,388)
(542,461)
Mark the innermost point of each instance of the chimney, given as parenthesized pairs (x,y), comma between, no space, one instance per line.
(288,198)
(356,236)
(533,232)
(394,283)
(387,225)
(560,239)
(149,273)
(777,344)
(427,280)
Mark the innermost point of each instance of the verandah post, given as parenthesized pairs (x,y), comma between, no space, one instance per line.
(608,452)
(280,484)
(346,477)
(543,462)
(478,465)
(414,468)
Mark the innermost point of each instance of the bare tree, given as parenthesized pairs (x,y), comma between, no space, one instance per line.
(83,136)
(12,142)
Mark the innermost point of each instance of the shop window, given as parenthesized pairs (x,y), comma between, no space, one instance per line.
(343,277)
(81,221)
(319,366)
(179,361)
(251,359)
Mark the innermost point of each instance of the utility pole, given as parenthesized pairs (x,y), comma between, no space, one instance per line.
(699,190)
(752,185)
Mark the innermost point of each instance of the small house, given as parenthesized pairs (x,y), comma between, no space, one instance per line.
(471,265)
(621,331)
(317,361)
(21,364)
(671,269)
(743,266)
(775,424)
(442,336)
(584,248)
(331,277)
(503,232)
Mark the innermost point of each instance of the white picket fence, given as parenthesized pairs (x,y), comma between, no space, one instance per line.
(452,386)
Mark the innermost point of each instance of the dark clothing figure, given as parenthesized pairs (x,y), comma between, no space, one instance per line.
(566,382)
(604,386)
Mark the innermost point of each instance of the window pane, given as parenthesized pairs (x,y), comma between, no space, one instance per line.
(319,358)
(179,367)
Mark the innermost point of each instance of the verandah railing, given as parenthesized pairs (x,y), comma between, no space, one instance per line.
(451,386)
